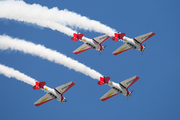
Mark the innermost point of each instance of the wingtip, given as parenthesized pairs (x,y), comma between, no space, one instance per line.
(137,78)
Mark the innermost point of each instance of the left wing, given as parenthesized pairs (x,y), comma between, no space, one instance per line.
(44,99)
(144,37)
(127,83)
(121,49)
(101,39)
(109,94)
(63,88)
(82,48)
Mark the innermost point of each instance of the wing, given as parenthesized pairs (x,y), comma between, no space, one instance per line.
(144,37)
(101,39)
(82,48)
(109,94)
(63,88)
(121,49)
(127,83)
(44,99)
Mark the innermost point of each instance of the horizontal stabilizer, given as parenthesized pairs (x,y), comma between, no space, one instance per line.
(39,85)
(103,80)
(77,36)
(118,36)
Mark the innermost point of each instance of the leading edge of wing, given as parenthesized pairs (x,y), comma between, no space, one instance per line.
(121,49)
(109,94)
(82,48)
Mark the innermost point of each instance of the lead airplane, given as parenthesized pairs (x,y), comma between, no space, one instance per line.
(117,88)
(56,93)
(94,43)
(135,43)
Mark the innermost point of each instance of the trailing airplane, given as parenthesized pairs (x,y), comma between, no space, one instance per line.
(135,43)
(94,43)
(117,88)
(56,93)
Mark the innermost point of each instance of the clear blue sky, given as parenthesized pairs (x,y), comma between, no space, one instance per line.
(156,94)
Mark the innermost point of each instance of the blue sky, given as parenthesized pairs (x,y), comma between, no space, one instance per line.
(156,93)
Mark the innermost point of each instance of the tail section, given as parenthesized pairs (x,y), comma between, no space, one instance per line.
(77,36)
(118,36)
(39,85)
(103,80)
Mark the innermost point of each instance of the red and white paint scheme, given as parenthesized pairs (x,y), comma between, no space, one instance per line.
(135,43)
(94,43)
(117,88)
(56,93)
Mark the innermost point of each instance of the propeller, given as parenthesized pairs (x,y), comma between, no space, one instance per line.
(103,50)
(132,91)
(130,95)
(143,51)
(105,46)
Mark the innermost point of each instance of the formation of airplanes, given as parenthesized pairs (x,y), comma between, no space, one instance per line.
(57,93)
(96,43)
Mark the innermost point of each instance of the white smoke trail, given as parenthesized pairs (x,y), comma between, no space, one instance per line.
(20,11)
(10,72)
(7,42)
(75,20)
(52,18)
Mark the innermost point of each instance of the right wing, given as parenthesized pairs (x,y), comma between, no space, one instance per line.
(101,39)
(82,48)
(127,83)
(144,37)
(44,99)
(121,49)
(109,94)
(63,88)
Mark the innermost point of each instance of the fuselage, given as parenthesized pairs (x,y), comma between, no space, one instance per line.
(92,43)
(119,88)
(54,93)
(133,43)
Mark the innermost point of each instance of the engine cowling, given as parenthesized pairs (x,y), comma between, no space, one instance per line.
(142,48)
(63,99)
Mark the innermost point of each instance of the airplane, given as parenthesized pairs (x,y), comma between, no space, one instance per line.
(56,93)
(135,43)
(94,43)
(117,88)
